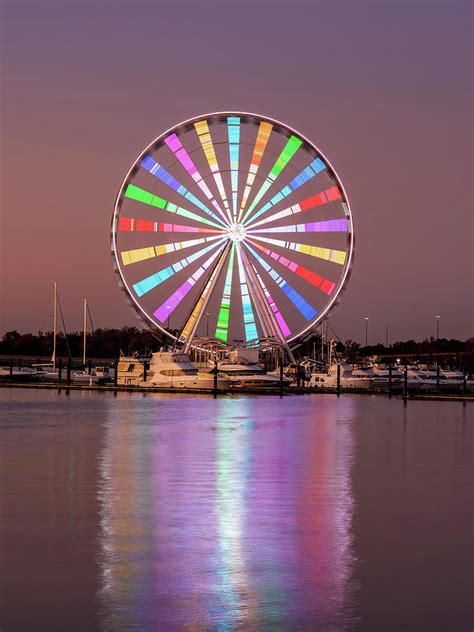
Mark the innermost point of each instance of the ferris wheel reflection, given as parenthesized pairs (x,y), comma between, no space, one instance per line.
(238,519)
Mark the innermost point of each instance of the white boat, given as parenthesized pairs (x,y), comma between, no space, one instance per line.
(172,369)
(48,372)
(82,377)
(244,373)
(328,379)
(17,374)
(130,371)
(249,375)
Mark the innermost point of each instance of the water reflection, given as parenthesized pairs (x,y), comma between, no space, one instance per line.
(235,516)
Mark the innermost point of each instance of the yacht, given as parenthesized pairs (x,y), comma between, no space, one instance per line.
(130,371)
(246,375)
(360,378)
(171,369)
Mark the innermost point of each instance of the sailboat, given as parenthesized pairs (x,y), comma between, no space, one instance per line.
(47,371)
(83,377)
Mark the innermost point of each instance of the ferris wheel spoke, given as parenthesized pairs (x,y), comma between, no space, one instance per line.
(233,131)
(152,281)
(162,174)
(133,192)
(141,254)
(222,327)
(182,155)
(135,225)
(328,254)
(339,225)
(266,313)
(301,304)
(329,195)
(308,173)
(261,142)
(190,328)
(325,285)
(273,306)
(287,153)
(169,305)
(204,135)
(250,327)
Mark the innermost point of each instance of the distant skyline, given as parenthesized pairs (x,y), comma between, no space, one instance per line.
(384,89)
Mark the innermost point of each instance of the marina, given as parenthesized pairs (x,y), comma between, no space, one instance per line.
(236,318)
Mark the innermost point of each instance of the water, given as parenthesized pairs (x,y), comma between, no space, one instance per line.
(164,512)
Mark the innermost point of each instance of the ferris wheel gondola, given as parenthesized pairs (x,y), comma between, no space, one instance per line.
(235,226)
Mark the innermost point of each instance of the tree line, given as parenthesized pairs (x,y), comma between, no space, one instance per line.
(108,343)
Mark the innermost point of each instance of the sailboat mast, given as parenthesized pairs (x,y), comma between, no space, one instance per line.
(55,322)
(85,334)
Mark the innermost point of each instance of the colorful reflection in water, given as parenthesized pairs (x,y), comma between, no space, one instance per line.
(227,514)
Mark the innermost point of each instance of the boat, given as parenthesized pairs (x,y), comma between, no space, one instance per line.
(17,374)
(47,372)
(328,378)
(174,369)
(83,377)
(241,367)
(130,370)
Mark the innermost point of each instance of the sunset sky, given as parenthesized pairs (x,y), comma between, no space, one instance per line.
(384,89)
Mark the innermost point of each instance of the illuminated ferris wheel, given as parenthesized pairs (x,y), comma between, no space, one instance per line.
(234,226)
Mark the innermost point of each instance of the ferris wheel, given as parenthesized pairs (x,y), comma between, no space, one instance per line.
(233,226)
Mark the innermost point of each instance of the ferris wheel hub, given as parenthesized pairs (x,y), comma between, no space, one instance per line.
(236,232)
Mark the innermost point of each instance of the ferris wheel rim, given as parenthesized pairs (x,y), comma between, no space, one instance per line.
(183,126)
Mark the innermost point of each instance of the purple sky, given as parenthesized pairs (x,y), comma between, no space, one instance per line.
(384,89)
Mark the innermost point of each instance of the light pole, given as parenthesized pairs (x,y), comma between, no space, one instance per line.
(438,316)
(366,330)
(207,323)
(168,307)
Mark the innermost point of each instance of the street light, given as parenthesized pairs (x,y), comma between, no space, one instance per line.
(366,330)
(438,316)
(168,307)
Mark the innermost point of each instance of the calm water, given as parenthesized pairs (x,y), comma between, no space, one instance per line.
(187,513)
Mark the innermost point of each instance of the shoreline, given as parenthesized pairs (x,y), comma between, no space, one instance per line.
(452,397)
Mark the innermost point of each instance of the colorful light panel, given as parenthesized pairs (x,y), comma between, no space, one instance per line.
(162,174)
(320,282)
(286,331)
(130,225)
(336,256)
(141,254)
(315,167)
(233,130)
(182,155)
(168,306)
(263,135)
(249,318)
(326,226)
(204,135)
(298,301)
(149,283)
(222,329)
(330,195)
(283,159)
(133,192)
